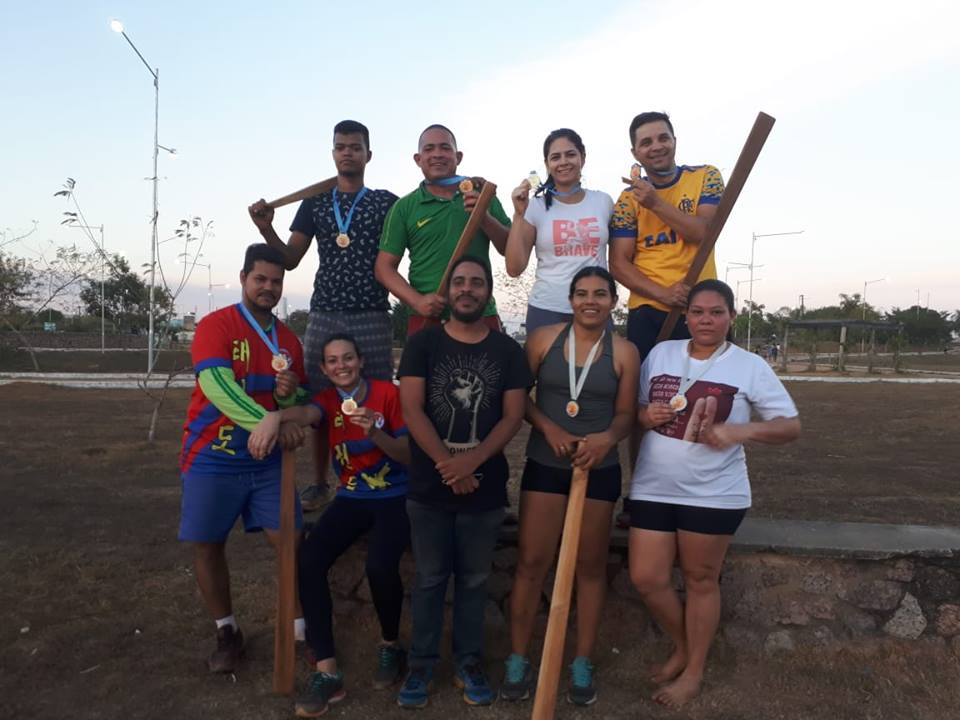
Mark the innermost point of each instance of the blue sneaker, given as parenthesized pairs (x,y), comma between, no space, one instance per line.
(517,678)
(471,678)
(415,692)
(581,691)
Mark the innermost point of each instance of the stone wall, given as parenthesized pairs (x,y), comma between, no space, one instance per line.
(771,601)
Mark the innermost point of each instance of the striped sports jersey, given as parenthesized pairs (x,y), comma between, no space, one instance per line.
(234,390)
(660,253)
(362,467)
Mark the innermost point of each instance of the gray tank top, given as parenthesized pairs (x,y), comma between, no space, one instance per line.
(597,400)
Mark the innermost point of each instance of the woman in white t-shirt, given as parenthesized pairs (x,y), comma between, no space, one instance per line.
(567,224)
(690,489)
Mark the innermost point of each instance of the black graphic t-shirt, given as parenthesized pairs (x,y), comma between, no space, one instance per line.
(464,391)
(345,278)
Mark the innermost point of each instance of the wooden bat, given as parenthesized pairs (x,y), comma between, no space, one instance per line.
(551,663)
(283,645)
(307,192)
(738,178)
(487,193)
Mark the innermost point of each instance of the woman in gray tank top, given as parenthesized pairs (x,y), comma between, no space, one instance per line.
(582,410)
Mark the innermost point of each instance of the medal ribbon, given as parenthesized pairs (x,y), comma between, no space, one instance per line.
(271,342)
(577,385)
(344,395)
(452,180)
(687,381)
(557,193)
(344,226)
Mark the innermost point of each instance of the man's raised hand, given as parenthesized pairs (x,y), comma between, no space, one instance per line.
(261,214)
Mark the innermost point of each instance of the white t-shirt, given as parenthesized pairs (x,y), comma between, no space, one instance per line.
(569,237)
(671,469)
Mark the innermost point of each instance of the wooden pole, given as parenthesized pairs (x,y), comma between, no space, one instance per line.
(307,192)
(283,645)
(841,359)
(551,662)
(738,178)
(487,193)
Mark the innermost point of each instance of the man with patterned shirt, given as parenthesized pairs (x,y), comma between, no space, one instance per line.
(247,364)
(347,298)
(656,227)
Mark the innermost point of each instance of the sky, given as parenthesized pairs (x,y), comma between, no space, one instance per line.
(861,159)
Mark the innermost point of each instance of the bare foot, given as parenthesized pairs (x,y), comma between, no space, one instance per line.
(679,692)
(665,672)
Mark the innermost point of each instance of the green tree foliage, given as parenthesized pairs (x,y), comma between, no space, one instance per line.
(923,326)
(17,280)
(398,316)
(126,297)
(298,322)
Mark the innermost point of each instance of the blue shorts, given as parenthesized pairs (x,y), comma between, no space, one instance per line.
(211,504)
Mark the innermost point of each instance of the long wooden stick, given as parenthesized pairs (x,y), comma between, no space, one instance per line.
(551,662)
(738,178)
(307,192)
(283,645)
(487,193)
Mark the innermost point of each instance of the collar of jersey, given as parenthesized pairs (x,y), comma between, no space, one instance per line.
(680,171)
(427,196)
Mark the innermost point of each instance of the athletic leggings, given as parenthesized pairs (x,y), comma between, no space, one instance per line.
(343,522)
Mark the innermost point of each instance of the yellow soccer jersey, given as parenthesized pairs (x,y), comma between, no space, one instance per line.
(660,253)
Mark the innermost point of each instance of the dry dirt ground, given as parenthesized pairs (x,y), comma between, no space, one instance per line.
(99,616)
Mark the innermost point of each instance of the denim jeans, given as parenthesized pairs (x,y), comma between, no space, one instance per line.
(445,543)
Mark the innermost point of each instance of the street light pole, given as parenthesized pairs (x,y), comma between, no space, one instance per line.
(753,244)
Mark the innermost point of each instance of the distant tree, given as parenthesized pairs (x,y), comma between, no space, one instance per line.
(126,297)
(17,280)
(923,326)
(298,322)
(399,313)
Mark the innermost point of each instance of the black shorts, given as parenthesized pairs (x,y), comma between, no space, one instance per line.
(667,517)
(602,483)
(643,326)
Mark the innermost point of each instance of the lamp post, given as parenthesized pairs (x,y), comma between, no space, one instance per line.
(863,300)
(117,27)
(210,284)
(753,244)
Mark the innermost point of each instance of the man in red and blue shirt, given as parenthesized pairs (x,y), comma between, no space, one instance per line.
(247,363)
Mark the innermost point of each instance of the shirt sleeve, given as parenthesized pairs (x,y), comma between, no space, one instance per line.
(519,375)
(413,362)
(712,189)
(768,397)
(393,239)
(534,212)
(392,413)
(623,222)
(211,345)
(220,387)
(496,209)
(303,220)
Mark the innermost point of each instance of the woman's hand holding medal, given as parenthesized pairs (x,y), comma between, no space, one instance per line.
(655,414)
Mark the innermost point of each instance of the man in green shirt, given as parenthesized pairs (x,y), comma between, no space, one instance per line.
(427,223)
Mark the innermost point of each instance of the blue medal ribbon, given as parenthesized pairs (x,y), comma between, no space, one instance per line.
(557,193)
(452,180)
(271,342)
(345,226)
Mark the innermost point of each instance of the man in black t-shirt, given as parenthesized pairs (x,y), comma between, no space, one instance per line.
(463,390)
(347,222)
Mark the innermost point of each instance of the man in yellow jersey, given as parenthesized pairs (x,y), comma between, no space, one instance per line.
(656,227)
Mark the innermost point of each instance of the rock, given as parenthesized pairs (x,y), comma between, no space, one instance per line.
(777,642)
(877,595)
(902,571)
(793,614)
(823,635)
(955,645)
(741,636)
(346,607)
(819,583)
(821,609)
(908,621)
(771,576)
(948,620)
(856,621)
(499,585)
(937,584)
(505,559)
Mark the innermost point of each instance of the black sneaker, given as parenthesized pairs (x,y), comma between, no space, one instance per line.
(323,690)
(581,691)
(391,665)
(229,650)
(517,678)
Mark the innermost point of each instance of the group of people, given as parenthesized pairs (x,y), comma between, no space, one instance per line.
(421,462)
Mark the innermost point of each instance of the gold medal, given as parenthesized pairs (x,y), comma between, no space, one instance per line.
(348,406)
(573,408)
(343,240)
(466,185)
(279,362)
(678,403)
(534,180)
(635,171)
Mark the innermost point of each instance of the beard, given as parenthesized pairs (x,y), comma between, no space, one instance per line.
(468,317)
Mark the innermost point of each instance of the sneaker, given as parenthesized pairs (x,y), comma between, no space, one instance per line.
(391,665)
(229,650)
(313,497)
(323,690)
(476,688)
(581,691)
(517,678)
(416,688)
